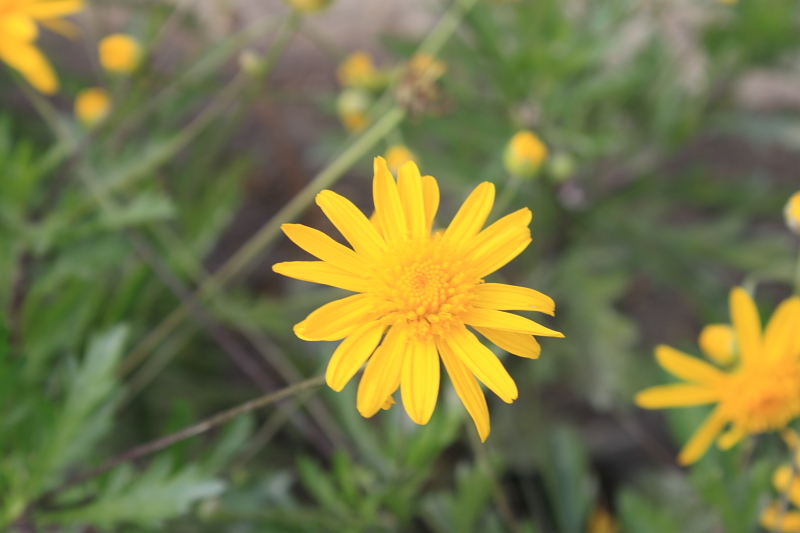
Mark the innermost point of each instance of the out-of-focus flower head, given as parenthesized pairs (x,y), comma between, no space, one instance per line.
(418,90)
(19,31)
(524,154)
(92,106)
(760,393)
(792,213)
(309,6)
(787,483)
(359,71)
(397,155)
(601,521)
(718,343)
(352,106)
(119,53)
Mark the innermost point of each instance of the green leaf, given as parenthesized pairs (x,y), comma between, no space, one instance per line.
(147,207)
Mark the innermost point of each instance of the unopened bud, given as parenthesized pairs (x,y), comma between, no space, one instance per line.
(92,106)
(524,154)
(119,53)
(352,106)
(718,342)
(397,155)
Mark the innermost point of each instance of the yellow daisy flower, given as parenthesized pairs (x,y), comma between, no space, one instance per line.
(417,291)
(760,393)
(19,31)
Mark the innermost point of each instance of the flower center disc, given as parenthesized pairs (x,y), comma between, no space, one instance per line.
(765,399)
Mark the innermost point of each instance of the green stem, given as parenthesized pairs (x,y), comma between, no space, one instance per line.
(509,191)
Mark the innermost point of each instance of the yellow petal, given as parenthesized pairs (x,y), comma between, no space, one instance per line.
(481,362)
(352,353)
(420,381)
(746,322)
(495,254)
(388,207)
(687,367)
(322,273)
(718,342)
(338,319)
(782,478)
(388,403)
(511,298)
(19,28)
(702,438)
(323,247)
(472,215)
(489,318)
(515,219)
(52,9)
(789,520)
(730,438)
(29,61)
(430,194)
(782,337)
(352,223)
(678,395)
(519,344)
(409,185)
(382,374)
(468,389)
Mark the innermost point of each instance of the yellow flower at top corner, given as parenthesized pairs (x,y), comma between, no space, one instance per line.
(792,213)
(19,31)
(92,106)
(524,154)
(308,6)
(396,156)
(417,290)
(119,53)
(760,393)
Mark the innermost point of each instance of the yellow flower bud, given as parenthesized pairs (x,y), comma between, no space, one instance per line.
(92,106)
(792,213)
(425,67)
(308,6)
(358,71)
(718,342)
(524,154)
(352,106)
(397,155)
(119,53)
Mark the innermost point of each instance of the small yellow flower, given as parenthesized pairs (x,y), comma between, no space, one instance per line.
(417,290)
(601,521)
(119,53)
(92,106)
(357,70)
(396,156)
(760,393)
(18,33)
(718,342)
(308,6)
(788,485)
(524,154)
(352,106)
(792,213)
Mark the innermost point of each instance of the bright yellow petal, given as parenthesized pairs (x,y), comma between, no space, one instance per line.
(409,185)
(52,9)
(511,298)
(18,28)
(352,223)
(388,207)
(677,395)
(322,273)
(702,438)
(352,353)
(472,215)
(491,233)
(519,344)
(782,478)
(468,390)
(746,322)
(687,367)
(782,336)
(382,374)
(420,382)
(338,319)
(497,253)
(29,61)
(730,438)
(789,520)
(489,318)
(323,247)
(481,362)
(430,193)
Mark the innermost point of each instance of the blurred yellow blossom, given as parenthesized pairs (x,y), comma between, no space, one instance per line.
(352,106)
(308,6)
(761,393)
(396,156)
(119,53)
(417,290)
(601,521)
(792,213)
(358,71)
(524,154)
(18,33)
(718,342)
(92,106)
(787,483)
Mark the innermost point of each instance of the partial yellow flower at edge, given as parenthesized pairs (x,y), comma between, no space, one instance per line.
(119,53)
(18,33)
(396,156)
(760,394)
(417,290)
(309,6)
(524,154)
(792,213)
(601,521)
(784,482)
(718,342)
(92,106)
